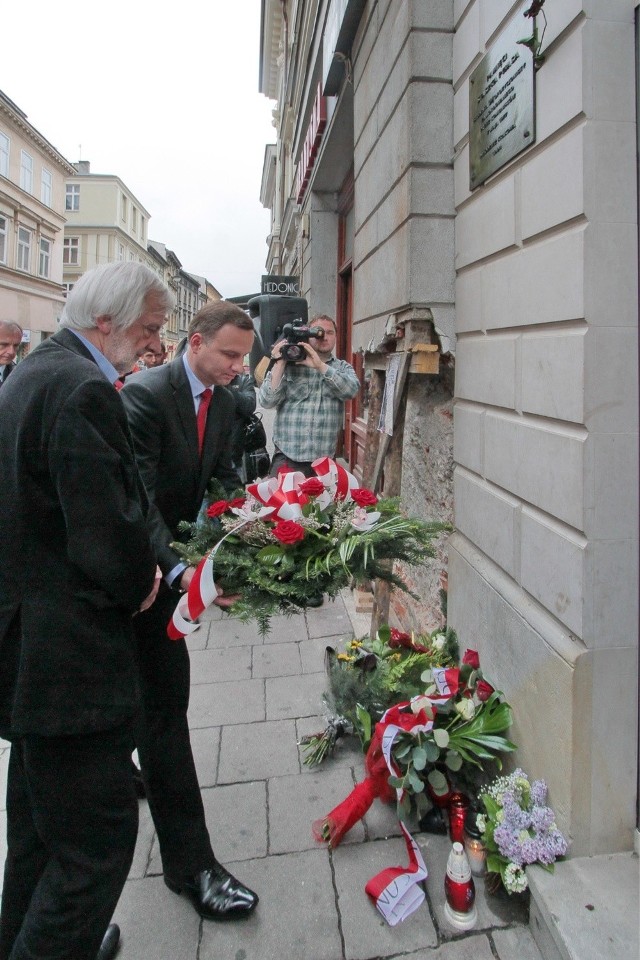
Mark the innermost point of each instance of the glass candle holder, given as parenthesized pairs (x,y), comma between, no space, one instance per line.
(460,893)
(473,845)
(458,807)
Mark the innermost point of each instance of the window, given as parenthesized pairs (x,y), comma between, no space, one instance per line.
(3,239)
(72,198)
(4,155)
(26,171)
(45,257)
(142,226)
(124,208)
(120,251)
(71,251)
(68,287)
(46,186)
(24,249)
(134,219)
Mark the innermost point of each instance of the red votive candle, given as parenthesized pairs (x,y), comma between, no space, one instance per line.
(458,806)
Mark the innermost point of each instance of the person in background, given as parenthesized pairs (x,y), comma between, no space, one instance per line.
(10,340)
(243,390)
(154,358)
(76,564)
(309,397)
(181,420)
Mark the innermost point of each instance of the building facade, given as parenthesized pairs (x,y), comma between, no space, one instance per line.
(32,201)
(502,294)
(105,223)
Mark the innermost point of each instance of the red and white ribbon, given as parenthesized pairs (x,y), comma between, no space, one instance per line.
(200,595)
(395,890)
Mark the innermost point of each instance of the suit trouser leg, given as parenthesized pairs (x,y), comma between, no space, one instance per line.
(72,822)
(164,744)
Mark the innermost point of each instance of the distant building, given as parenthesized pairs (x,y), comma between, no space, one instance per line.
(32,201)
(207,290)
(186,287)
(105,223)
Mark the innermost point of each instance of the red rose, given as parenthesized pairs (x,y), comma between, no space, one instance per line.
(364,497)
(288,531)
(217,508)
(483,690)
(398,639)
(237,502)
(312,487)
(471,658)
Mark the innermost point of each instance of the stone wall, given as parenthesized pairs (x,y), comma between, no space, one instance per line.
(404,248)
(543,568)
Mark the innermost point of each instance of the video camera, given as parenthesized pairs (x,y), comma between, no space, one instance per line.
(296,333)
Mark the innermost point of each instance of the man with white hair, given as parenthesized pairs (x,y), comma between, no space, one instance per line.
(75,566)
(10,340)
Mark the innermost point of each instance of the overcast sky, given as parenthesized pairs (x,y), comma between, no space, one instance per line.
(165,96)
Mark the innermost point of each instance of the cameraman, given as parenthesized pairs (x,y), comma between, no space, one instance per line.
(309,396)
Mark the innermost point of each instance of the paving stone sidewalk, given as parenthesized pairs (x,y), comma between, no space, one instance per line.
(251,701)
(252,698)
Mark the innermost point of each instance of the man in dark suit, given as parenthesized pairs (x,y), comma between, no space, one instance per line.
(76,564)
(181,431)
(10,340)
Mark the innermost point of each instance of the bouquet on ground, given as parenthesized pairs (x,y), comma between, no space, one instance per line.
(291,538)
(370,676)
(518,829)
(456,724)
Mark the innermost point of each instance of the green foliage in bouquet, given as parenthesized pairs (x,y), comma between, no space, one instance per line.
(466,716)
(464,745)
(429,762)
(370,676)
(276,565)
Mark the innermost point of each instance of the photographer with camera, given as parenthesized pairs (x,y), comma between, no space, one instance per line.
(308,387)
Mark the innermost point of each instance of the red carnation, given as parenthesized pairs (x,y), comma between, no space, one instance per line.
(237,502)
(472,659)
(364,497)
(288,532)
(313,487)
(217,508)
(483,690)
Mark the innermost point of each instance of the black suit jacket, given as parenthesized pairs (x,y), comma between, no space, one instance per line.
(162,418)
(9,368)
(76,560)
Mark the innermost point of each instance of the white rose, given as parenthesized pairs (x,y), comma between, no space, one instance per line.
(466,708)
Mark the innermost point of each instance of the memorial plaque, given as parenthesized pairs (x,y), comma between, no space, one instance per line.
(501,103)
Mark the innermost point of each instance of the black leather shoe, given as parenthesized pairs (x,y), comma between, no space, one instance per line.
(110,943)
(216,894)
(315,601)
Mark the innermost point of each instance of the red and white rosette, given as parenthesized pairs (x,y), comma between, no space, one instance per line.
(338,482)
(280,496)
